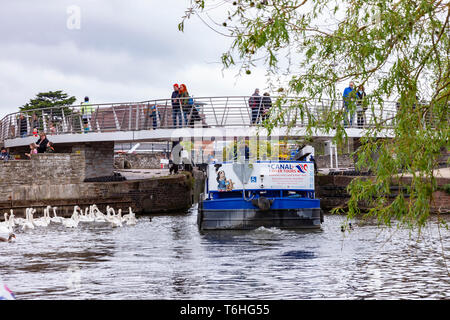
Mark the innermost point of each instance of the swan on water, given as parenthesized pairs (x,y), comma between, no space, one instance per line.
(55,218)
(85,217)
(28,220)
(73,221)
(116,220)
(5,227)
(130,218)
(43,221)
(97,214)
(12,221)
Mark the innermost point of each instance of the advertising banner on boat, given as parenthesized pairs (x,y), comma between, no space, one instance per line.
(262,175)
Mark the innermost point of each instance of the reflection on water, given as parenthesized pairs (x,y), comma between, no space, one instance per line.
(168,258)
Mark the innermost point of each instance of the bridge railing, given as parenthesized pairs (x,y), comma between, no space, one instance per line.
(226,111)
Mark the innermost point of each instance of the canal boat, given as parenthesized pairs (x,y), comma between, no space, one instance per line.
(250,195)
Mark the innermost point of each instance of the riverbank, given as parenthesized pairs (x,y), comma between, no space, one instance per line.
(332,190)
(59,180)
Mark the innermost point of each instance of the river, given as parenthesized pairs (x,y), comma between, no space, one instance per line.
(166,257)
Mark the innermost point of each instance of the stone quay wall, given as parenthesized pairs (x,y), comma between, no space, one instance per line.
(57,180)
(332,192)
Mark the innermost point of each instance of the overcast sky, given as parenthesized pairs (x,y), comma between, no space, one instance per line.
(117,51)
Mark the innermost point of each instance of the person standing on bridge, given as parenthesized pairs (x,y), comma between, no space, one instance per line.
(35,124)
(266,106)
(153,113)
(184,99)
(255,103)
(361,107)
(86,111)
(348,97)
(176,107)
(23,126)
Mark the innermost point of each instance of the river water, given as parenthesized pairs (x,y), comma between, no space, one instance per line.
(166,257)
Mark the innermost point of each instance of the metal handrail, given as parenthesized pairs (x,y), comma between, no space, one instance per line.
(220,111)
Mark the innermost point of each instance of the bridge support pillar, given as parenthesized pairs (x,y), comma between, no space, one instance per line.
(99,158)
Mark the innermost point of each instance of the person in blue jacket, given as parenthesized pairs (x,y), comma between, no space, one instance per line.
(348,95)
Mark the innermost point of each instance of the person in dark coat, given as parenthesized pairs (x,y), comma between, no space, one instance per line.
(255,105)
(23,126)
(42,143)
(176,107)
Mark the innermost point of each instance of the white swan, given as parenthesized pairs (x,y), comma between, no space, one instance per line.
(28,225)
(12,221)
(76,211)
(73,221)
(130,218)
(98,215)
(5,227)
(85,217)
(44,221)
(55,218)
(116,220)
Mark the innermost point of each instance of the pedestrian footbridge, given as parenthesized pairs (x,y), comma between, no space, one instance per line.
(221,118)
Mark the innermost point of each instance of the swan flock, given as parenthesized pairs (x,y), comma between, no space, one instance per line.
(91,214)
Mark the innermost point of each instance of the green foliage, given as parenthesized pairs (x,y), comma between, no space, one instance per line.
(398,49)
(446,188)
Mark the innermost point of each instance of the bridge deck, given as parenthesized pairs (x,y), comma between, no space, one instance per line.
(219,117)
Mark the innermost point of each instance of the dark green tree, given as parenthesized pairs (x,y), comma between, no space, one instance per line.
(45,101)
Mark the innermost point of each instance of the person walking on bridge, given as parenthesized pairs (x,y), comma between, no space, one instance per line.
(176,107)
(86,111)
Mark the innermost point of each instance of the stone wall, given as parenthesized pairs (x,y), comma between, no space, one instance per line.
(332,192)
(42,169)
(154,195)
(344,161)
(99,158)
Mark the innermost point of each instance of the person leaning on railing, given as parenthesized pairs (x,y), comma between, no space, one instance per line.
(86,111)
(153,113)
(176,107)
(348,96)
(23,126)
(184,99)
(266,106)
(255,105)
(360,107)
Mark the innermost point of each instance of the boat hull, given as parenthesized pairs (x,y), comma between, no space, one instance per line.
(247,219)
